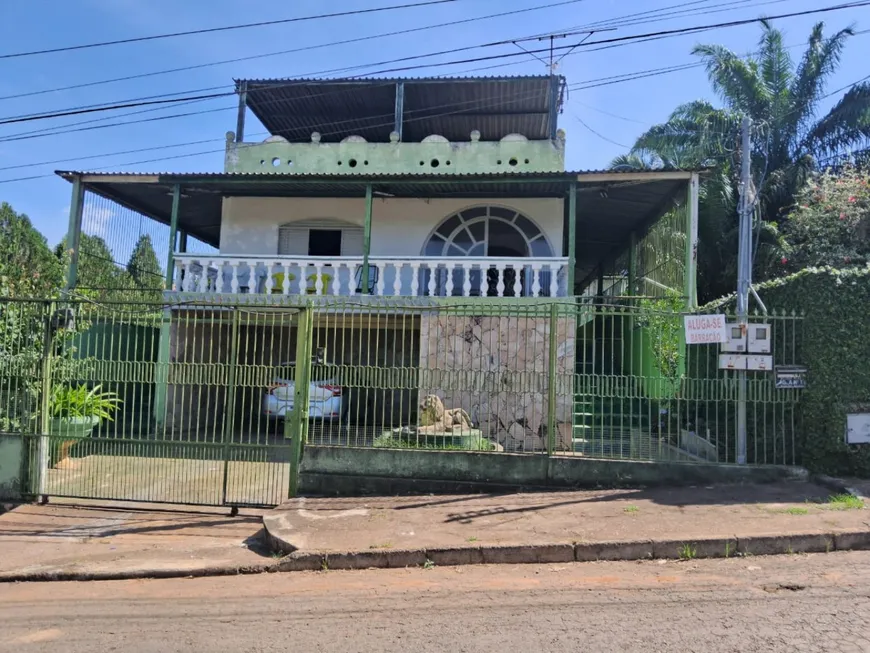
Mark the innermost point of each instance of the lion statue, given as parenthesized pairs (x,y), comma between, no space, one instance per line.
(434,418)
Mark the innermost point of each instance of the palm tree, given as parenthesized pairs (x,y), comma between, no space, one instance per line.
(790,140)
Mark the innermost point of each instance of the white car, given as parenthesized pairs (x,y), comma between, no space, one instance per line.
(324,396)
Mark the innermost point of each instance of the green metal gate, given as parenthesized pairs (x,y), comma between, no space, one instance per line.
(180,392)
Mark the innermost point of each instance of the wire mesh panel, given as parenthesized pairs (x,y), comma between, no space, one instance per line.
(643,394)
(123,253)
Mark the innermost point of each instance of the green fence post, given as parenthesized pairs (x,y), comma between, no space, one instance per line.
(296,427)
(44,449)
(161,371)
(551,376)
(230,401)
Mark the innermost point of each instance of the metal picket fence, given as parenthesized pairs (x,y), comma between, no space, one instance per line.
(212,403)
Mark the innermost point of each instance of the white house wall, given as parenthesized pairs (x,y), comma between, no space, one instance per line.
(400,227)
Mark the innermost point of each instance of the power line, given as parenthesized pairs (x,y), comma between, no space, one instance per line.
(293,50)
(225,28)
(599,135)
(611,41)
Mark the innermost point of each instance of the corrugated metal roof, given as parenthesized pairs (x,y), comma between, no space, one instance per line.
(452,107)
(603,218)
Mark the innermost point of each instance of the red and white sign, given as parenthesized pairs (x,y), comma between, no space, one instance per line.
(705,329)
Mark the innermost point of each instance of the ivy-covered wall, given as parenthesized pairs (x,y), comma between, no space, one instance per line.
(835,347)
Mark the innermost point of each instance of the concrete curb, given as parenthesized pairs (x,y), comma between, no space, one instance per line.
(837,485)
(668,549)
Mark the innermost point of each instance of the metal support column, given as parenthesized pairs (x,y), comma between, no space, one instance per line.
(400,109)
(182,242)
(691,266)
(173,231)
(744,267)
(367,242)
(243,106)
(74,232)
(230,402)
(572,237)
(632,264)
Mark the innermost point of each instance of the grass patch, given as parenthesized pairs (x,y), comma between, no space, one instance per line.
(631,509)
(385,545)
(688,552)
(428,564)
(794,510)
(844,502)
(471,539)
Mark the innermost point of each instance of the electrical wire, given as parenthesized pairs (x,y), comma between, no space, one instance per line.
(226,28)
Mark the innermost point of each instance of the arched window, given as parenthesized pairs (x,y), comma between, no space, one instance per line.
(489,232)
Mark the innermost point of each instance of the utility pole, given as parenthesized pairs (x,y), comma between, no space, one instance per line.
(744,276)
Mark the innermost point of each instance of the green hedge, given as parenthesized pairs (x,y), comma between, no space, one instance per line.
(835,347)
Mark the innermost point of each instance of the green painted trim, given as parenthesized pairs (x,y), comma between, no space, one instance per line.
(362,180)
(173,230)
(572,236)
(73,234)
(367,242)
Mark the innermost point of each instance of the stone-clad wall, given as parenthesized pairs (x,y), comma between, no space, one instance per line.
(496,368)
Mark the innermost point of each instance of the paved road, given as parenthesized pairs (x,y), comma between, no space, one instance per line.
(790,603)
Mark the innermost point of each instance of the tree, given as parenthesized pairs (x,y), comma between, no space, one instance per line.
(27,266)
(830,225)
(790,141)
(98,276)
(144,267)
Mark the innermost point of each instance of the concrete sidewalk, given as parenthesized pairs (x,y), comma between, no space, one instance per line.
(81,542)
(89,540)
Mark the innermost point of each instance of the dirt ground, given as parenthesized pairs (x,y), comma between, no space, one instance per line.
(776,604)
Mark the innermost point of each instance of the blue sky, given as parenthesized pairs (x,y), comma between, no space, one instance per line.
(618,112)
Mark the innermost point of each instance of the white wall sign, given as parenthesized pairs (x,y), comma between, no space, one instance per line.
(705,329)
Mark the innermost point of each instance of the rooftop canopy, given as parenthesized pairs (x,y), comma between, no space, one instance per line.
(372,108)
(610,205)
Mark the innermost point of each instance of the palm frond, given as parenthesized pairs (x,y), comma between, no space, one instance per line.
(846,126)
(819,62)
(776,71)
(736,80)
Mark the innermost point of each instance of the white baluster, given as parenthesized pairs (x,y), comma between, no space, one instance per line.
(397,279)
(203,277)
(270,279)
(382,280)
(466,280)
(555,273)
(499,286)
(518,287)
(318,280)
(536,279)
(448,287)
(433,270)
(234,277)
(285,283)
(179,276)
(415,278)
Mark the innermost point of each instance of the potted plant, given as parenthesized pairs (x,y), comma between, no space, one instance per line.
(75,412)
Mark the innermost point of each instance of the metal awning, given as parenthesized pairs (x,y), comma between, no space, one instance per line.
(610,205)
(451,107)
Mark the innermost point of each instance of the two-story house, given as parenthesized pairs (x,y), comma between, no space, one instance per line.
(420,192)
